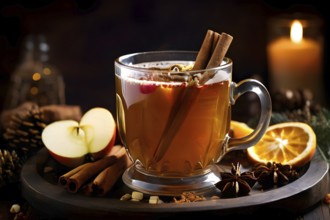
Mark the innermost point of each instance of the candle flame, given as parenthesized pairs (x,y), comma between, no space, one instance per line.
(296,33)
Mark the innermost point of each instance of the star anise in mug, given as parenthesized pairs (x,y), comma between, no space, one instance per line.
(274,174)
(235,183)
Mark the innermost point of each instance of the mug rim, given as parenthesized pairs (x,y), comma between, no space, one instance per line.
(119,63)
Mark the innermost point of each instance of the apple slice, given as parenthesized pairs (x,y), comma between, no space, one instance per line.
(69,141)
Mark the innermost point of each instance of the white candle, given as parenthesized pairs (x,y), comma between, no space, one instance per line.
(295,62)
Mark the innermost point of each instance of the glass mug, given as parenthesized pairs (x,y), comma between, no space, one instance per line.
(174,129)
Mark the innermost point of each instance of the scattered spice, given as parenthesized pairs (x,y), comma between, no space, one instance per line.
(136,196)
(155,200)
(15,208)
(235,183)
(126,197)
(327,199)
(187,197)
(274,174)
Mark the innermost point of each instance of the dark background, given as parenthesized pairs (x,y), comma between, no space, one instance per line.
(85,37)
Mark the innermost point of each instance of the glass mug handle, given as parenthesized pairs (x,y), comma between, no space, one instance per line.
(251,85)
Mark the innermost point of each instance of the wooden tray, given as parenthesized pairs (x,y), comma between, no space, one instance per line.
(50,199)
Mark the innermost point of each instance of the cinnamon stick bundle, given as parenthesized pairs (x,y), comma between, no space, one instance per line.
(74,179)
(205,51)
(106,179)
(219,52)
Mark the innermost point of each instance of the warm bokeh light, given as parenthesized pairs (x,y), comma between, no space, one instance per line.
(36,76)
(47,71)
(296,32)
(34,91)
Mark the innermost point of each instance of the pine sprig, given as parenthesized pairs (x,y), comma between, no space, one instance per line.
(321,126)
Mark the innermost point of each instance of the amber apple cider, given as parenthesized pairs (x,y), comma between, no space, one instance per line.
(146,108)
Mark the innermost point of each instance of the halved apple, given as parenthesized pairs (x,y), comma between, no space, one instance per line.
(69,141)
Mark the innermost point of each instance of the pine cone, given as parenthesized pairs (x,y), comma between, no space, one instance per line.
(23,132)
(10,167)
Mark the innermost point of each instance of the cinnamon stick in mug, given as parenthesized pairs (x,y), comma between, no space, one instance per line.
(205,51)
(217,56)
(215,40)
(220,50)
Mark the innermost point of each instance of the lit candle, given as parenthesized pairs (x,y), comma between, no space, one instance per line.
(295,62)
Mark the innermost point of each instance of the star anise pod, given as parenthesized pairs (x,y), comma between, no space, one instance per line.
(274,174)
(235,183)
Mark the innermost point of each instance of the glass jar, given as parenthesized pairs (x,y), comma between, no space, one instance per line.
(35,79)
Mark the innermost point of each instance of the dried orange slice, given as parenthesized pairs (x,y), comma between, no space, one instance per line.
(292,143)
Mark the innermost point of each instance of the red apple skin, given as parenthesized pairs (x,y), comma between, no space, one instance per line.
(66,161)
(74,162)
(107,149)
